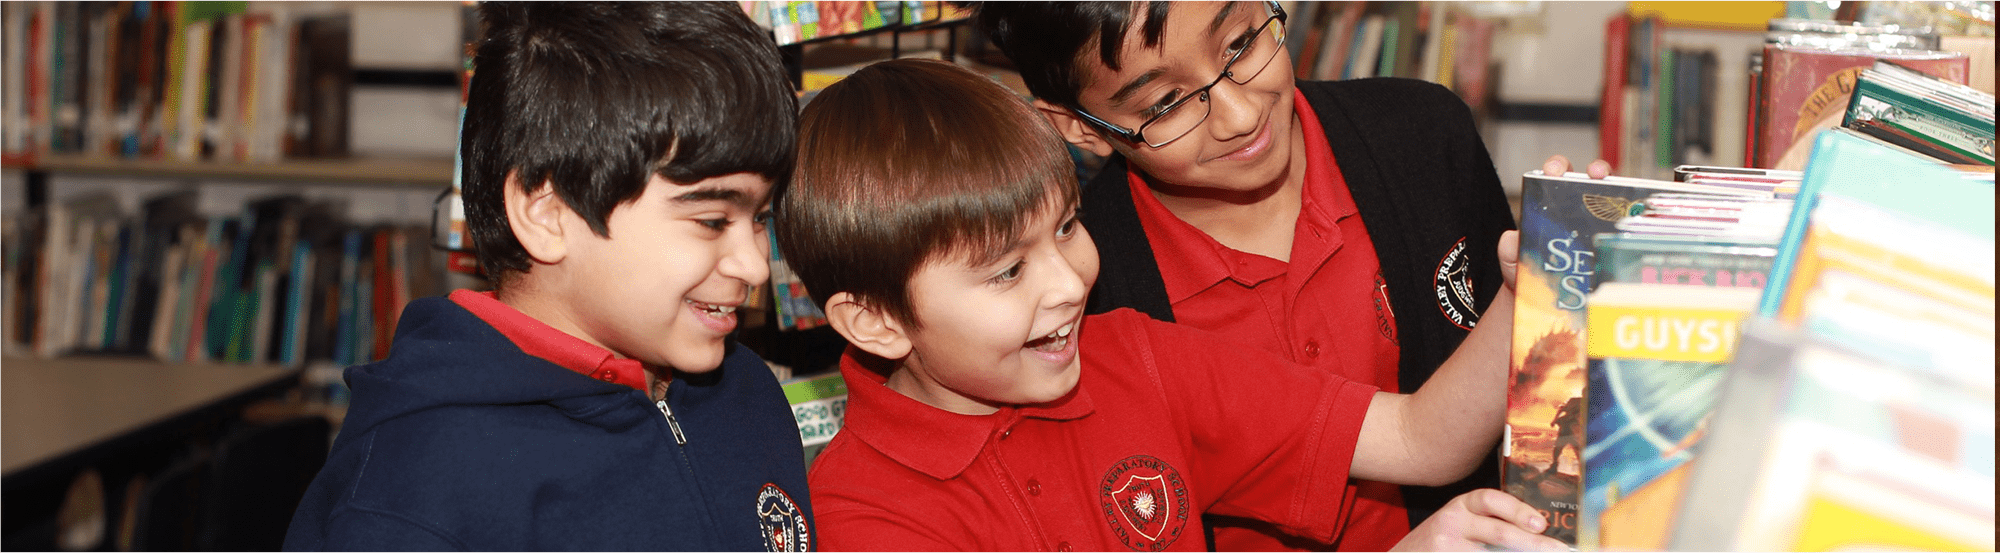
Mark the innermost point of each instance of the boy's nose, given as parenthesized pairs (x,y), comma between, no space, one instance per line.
(1068,286)
(1231,111)
(747,259)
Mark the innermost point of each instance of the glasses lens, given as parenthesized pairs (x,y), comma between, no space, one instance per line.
(1176,122)
(1263,48)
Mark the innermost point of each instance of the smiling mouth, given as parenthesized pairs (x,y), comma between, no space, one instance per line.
(714,310)
(1055,341)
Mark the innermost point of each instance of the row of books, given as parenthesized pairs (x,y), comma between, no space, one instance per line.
(1638,416)
(793,21)
(1433,41)
(180,80)
(284,282)
(1807,73)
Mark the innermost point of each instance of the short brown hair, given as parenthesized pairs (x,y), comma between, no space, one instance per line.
(908,162)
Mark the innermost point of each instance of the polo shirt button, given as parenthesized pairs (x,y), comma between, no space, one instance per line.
(1034,487)
(1064,546)
(1005,433)
(607,376)
(1312,349)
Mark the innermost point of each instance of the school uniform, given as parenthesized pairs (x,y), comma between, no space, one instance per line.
(488,430)
(1391,263)
(1160,429)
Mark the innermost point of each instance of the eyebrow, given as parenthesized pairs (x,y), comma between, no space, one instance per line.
(736,197)
(1125,92)
(1221,17)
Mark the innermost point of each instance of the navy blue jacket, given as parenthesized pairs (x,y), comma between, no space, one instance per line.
(459,441)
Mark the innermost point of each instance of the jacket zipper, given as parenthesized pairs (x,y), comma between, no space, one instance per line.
(672,423)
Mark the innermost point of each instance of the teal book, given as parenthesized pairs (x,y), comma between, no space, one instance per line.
(1896,182)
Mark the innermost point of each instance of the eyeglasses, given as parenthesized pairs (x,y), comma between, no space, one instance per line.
(1179,118)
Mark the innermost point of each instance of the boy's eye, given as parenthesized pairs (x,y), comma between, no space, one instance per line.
(762,219)
(1013,272)
(1067,228)
(715,224)
(1161,106)
(1242,41)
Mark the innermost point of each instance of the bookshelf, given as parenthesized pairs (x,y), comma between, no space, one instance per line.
(336,105)
(419,172)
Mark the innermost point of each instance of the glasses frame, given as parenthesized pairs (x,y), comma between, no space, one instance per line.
(1138,135)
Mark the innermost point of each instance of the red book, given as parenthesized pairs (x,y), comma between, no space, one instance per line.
(1804,87)
(1611,108)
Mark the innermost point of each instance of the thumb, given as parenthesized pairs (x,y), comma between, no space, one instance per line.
(1510,256)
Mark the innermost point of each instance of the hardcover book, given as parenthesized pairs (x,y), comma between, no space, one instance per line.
(819,404)
(1806,88)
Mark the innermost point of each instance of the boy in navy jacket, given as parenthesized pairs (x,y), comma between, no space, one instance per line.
(619,161)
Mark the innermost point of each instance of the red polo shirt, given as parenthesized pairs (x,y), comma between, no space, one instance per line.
(1160,429)
(1344,328)
(541,340)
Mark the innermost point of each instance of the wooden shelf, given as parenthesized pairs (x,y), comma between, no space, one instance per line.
(386,171)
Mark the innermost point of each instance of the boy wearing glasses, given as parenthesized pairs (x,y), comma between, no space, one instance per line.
(934,216)
(1345,226)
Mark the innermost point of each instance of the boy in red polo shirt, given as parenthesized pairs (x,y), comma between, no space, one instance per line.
(593,401)
(934,216)
(1323,222)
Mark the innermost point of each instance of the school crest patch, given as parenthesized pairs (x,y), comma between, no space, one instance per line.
(1452,283)
(1145,502)
(783,525)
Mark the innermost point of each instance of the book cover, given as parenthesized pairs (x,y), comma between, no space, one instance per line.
(1543,442)
(1806,88)
(1658,353)
(1882,177)
(819,404)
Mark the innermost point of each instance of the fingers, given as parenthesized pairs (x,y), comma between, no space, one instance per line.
(1505,522)
(1556,165)
(1599,169)
(1510,256)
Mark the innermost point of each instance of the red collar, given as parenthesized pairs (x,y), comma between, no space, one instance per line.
(927,439)
(1201,260)
(541,340)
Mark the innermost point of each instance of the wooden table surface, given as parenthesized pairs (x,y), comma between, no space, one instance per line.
(50,408)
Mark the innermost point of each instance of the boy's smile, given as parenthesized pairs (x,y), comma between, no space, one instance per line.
(663,287)
(1003,332)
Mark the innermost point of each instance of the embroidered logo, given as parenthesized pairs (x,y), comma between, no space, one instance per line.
(1453,284)
(784,527)
(1385,316)
(1145,502)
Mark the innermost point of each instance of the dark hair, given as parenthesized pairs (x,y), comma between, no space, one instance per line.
(1050,41)
(595,98)
(910,161)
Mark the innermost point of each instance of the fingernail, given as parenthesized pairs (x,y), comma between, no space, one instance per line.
(1539,523)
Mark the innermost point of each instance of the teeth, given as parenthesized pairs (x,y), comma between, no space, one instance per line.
(1065,330)
(712,308)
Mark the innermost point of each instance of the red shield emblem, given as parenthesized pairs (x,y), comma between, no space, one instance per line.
(1145,502)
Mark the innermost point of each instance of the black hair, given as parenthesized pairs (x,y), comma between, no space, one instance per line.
(593,98)
(1049,41)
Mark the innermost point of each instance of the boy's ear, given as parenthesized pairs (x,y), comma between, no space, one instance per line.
(866,327)
(1074,129)
(536,218)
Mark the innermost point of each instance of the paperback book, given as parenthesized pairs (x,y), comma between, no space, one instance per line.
(1542,447)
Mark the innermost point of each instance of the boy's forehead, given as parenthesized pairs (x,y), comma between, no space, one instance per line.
(1133,46)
